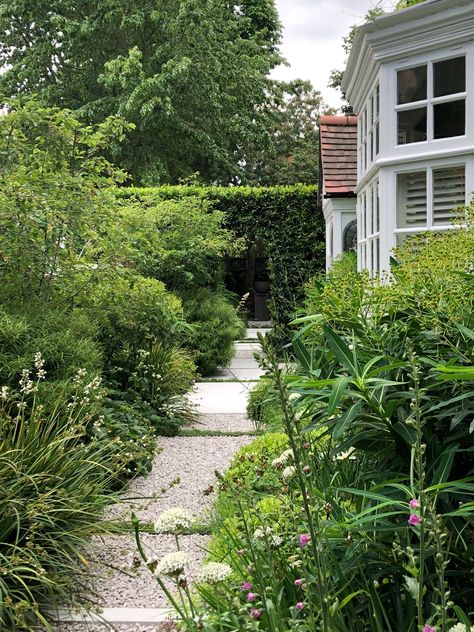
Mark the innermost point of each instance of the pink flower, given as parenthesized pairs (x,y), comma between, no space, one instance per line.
(428,628)
(414,503)
(414,520)
(299,605)
(251,596)
(255,614)
(298,582)
(305,539)
(246,586)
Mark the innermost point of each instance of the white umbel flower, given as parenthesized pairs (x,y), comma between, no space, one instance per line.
(174,520)
(288,472)
(4,392)
(293,397)
(266,534)
(460,627)
(284,457)
(213,573)
(173,564)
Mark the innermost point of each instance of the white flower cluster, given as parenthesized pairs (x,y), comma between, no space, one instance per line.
(266,534)
(26,383)
(288,472)
(213,573)
(343,456)
(4,392)
(39,364)
(174,520)
(460,627)
(294,397)
(173,564)
(283,459)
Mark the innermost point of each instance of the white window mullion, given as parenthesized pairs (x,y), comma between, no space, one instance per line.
(430,115)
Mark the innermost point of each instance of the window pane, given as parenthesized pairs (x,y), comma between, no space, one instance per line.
(450,76)
(412,84)
(412,126)
(449,192)
(411,199)
(449,119)
(377,141)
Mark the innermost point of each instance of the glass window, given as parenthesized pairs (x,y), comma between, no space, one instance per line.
(350,236)
(449,76)
(412,84)
(411,199)
(412,126)
(449,119)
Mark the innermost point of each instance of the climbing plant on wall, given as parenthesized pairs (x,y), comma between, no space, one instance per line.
(285,219)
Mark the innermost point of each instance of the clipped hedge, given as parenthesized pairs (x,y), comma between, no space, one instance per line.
(285,218)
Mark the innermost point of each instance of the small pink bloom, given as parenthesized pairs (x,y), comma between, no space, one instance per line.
(246,586)
(428,628)
(251,596)
(298,582)
(305,539)
(306,469)
(299,605)
(414,520)
(414,503)
(255,614)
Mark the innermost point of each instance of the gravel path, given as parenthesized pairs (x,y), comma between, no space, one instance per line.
(185,469)
(183,475)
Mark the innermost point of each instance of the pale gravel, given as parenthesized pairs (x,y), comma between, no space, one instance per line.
(185,470)
(225,422)
(121,580)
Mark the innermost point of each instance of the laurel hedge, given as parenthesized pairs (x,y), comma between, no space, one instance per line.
(285,219)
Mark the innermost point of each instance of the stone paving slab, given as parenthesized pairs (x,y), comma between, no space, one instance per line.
(224,397)
(237,375)
(247,349)
(243,363)
(252,332)
(186,466)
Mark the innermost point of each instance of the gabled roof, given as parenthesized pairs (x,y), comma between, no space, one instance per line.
(338,142)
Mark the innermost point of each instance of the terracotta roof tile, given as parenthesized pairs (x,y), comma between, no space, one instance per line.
(338,139)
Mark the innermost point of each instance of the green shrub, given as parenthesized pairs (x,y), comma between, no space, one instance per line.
(66,339)
(54,485)
(263,407)
(285,220)
(215,327)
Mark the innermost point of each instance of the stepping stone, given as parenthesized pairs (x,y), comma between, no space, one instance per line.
(247,349)
(215,397)
(238,375)
(243,363)
(115,616)
(252,332)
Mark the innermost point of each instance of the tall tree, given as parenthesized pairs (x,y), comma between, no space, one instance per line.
(290,153)
(191,75)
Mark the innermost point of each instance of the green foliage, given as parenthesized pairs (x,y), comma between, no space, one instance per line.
(55,197)
(180,242)
(284,221)
(138,60)
(370,513)
(54,485)
(263,406)
(215,327)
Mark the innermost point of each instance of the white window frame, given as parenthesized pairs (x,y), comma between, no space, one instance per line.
(431,100)
(369,131)
(368,228)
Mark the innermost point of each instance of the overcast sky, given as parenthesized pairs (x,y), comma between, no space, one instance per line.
(312,38)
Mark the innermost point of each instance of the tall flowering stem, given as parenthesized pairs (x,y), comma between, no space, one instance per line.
(313,519)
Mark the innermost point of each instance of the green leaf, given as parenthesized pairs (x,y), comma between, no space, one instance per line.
(346,419)
(342,352)
(444,464)
(338,390)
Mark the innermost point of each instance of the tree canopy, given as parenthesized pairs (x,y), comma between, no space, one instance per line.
(191,75)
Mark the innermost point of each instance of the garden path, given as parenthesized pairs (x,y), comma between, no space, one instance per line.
(183,475)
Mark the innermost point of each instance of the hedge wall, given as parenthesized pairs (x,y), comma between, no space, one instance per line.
(285,218)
